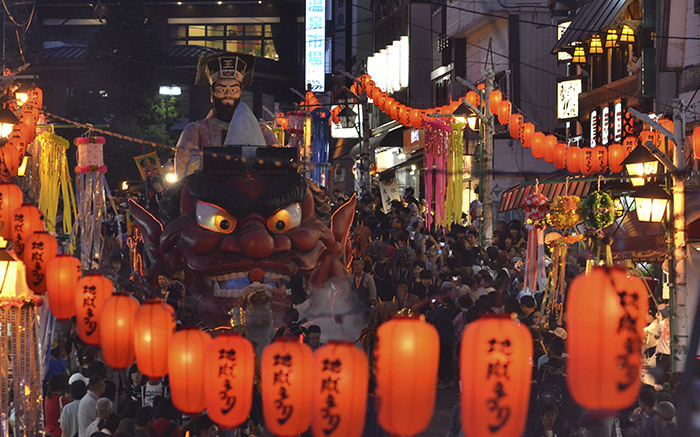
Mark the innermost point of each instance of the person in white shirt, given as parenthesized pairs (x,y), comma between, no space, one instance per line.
(151,390)
(87,411)
(69,416)
(104,409)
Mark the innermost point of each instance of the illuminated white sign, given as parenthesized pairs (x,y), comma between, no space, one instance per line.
(315,44)
(563,55)
(567,98)
(605,124)
(389,66)
(618,123)
(594,126)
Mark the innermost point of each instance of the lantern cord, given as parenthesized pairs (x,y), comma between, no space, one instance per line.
(92,128)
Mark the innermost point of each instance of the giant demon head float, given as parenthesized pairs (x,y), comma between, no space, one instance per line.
(218,225)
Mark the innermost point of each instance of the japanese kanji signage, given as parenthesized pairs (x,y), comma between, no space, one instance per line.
(315,45)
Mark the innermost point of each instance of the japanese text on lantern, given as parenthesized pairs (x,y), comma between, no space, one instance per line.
(19,222)
(37,258)
(499,352)
(329,390)
(282,366)
(227,364)
(89,297)
(627,328)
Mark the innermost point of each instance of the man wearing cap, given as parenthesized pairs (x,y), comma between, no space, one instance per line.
(225,73)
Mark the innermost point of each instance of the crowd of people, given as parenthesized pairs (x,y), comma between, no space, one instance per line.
(397,266)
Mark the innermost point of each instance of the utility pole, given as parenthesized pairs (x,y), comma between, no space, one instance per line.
(487,121)
(486,190)
(677,238)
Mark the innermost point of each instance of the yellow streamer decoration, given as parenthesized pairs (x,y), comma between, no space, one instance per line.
(55,181)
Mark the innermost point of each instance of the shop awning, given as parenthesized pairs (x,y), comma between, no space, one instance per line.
(391,138)
(592,18)
(513,197)
(345,147)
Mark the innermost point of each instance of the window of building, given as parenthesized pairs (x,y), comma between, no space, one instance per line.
(253,39)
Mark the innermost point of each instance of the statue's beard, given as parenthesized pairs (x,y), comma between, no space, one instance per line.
(224,111)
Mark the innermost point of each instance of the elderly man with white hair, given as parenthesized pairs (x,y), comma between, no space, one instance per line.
(104,409)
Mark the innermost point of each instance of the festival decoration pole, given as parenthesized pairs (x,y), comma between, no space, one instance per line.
(91,199)
(320,136)
(54,180)
(19,350)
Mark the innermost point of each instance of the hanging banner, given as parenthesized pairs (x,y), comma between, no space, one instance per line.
(148,164)
(389,189)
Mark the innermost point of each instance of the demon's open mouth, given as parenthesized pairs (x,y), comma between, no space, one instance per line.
(232,284)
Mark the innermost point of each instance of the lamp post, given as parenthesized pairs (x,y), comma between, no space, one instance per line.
(486,188)
(676,230)
(367,155)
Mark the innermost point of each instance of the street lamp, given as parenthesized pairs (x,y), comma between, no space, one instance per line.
(650,202)
(346,116)
(640,164)
(7,120)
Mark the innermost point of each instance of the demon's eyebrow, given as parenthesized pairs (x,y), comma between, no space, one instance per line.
(284,191)
(216,191)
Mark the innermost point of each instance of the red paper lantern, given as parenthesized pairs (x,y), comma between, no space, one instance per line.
(495,98)
(406,392)
(27,220)
(504,112)
(27,118)
(473,98)
(375,95)
(496,363)
(62,275)
(514,126)
(573,159)
(154,326)
(616,154)
(9,160)
(629,144)
(526,134)
(286,386)
(20,137)
(586,161)
(339,390)
(696,142)
(117,328)
(369,87)
(394,109)
(600,159)
(11,198)
(228,379)
(668,125)
(381,102)
(36,96)
(560,155)
(186,355)
(41,248)
(538,145)
(549,142)
(606,319)
(92,291)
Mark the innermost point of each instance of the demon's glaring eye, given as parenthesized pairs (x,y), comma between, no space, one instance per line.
(285,219)
(215,219)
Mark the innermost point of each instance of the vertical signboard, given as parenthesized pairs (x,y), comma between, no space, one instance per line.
(315,44)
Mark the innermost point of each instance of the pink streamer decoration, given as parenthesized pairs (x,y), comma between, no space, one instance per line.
(436,154)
